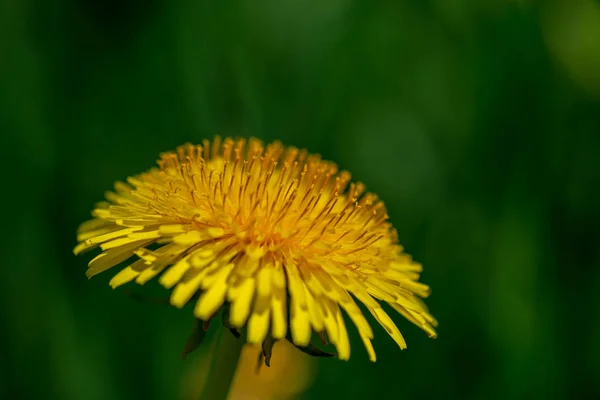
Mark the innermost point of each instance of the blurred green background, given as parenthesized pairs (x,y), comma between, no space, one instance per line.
(477,122)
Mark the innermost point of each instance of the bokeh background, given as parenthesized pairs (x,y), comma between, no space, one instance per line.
(477,122)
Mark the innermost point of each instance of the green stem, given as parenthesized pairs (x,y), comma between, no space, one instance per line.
(224,362)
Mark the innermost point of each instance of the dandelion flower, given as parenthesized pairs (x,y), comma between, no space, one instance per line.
(279,237)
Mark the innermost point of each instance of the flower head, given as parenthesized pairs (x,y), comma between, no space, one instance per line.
(280,237)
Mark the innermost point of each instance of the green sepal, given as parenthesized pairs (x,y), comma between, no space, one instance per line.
(195,339)
(314,351)
(226,323)
(267,349)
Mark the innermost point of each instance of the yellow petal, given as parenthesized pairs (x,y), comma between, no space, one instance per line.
(258,325)
(240,307)
(82,247)
(416,287)
(246,267)
(215,272)
(158,260)
(416,319)
(343,343)
(264,282)
(148,274)
(295,284)
(111,235)
(357,317)
(125,275)
(175,273)
(109,227)
(112,257)
(319,282)
(384,320)
(375,309)
(299,317)
(185,289)
(133,237)
(278,277)
(94,224)
(369,346)
(189,238)
(215,232)
(407,303)
(314,311)
(299,324)
(330,321)
(213,298)
(202,258)
(173,229)
(406,265)
(278,305)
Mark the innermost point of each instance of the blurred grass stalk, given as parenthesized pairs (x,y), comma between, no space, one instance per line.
(223,365)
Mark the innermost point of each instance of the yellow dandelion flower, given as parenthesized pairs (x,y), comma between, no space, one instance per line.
(280,237)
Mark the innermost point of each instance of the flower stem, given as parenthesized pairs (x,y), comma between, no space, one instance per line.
(224,362)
